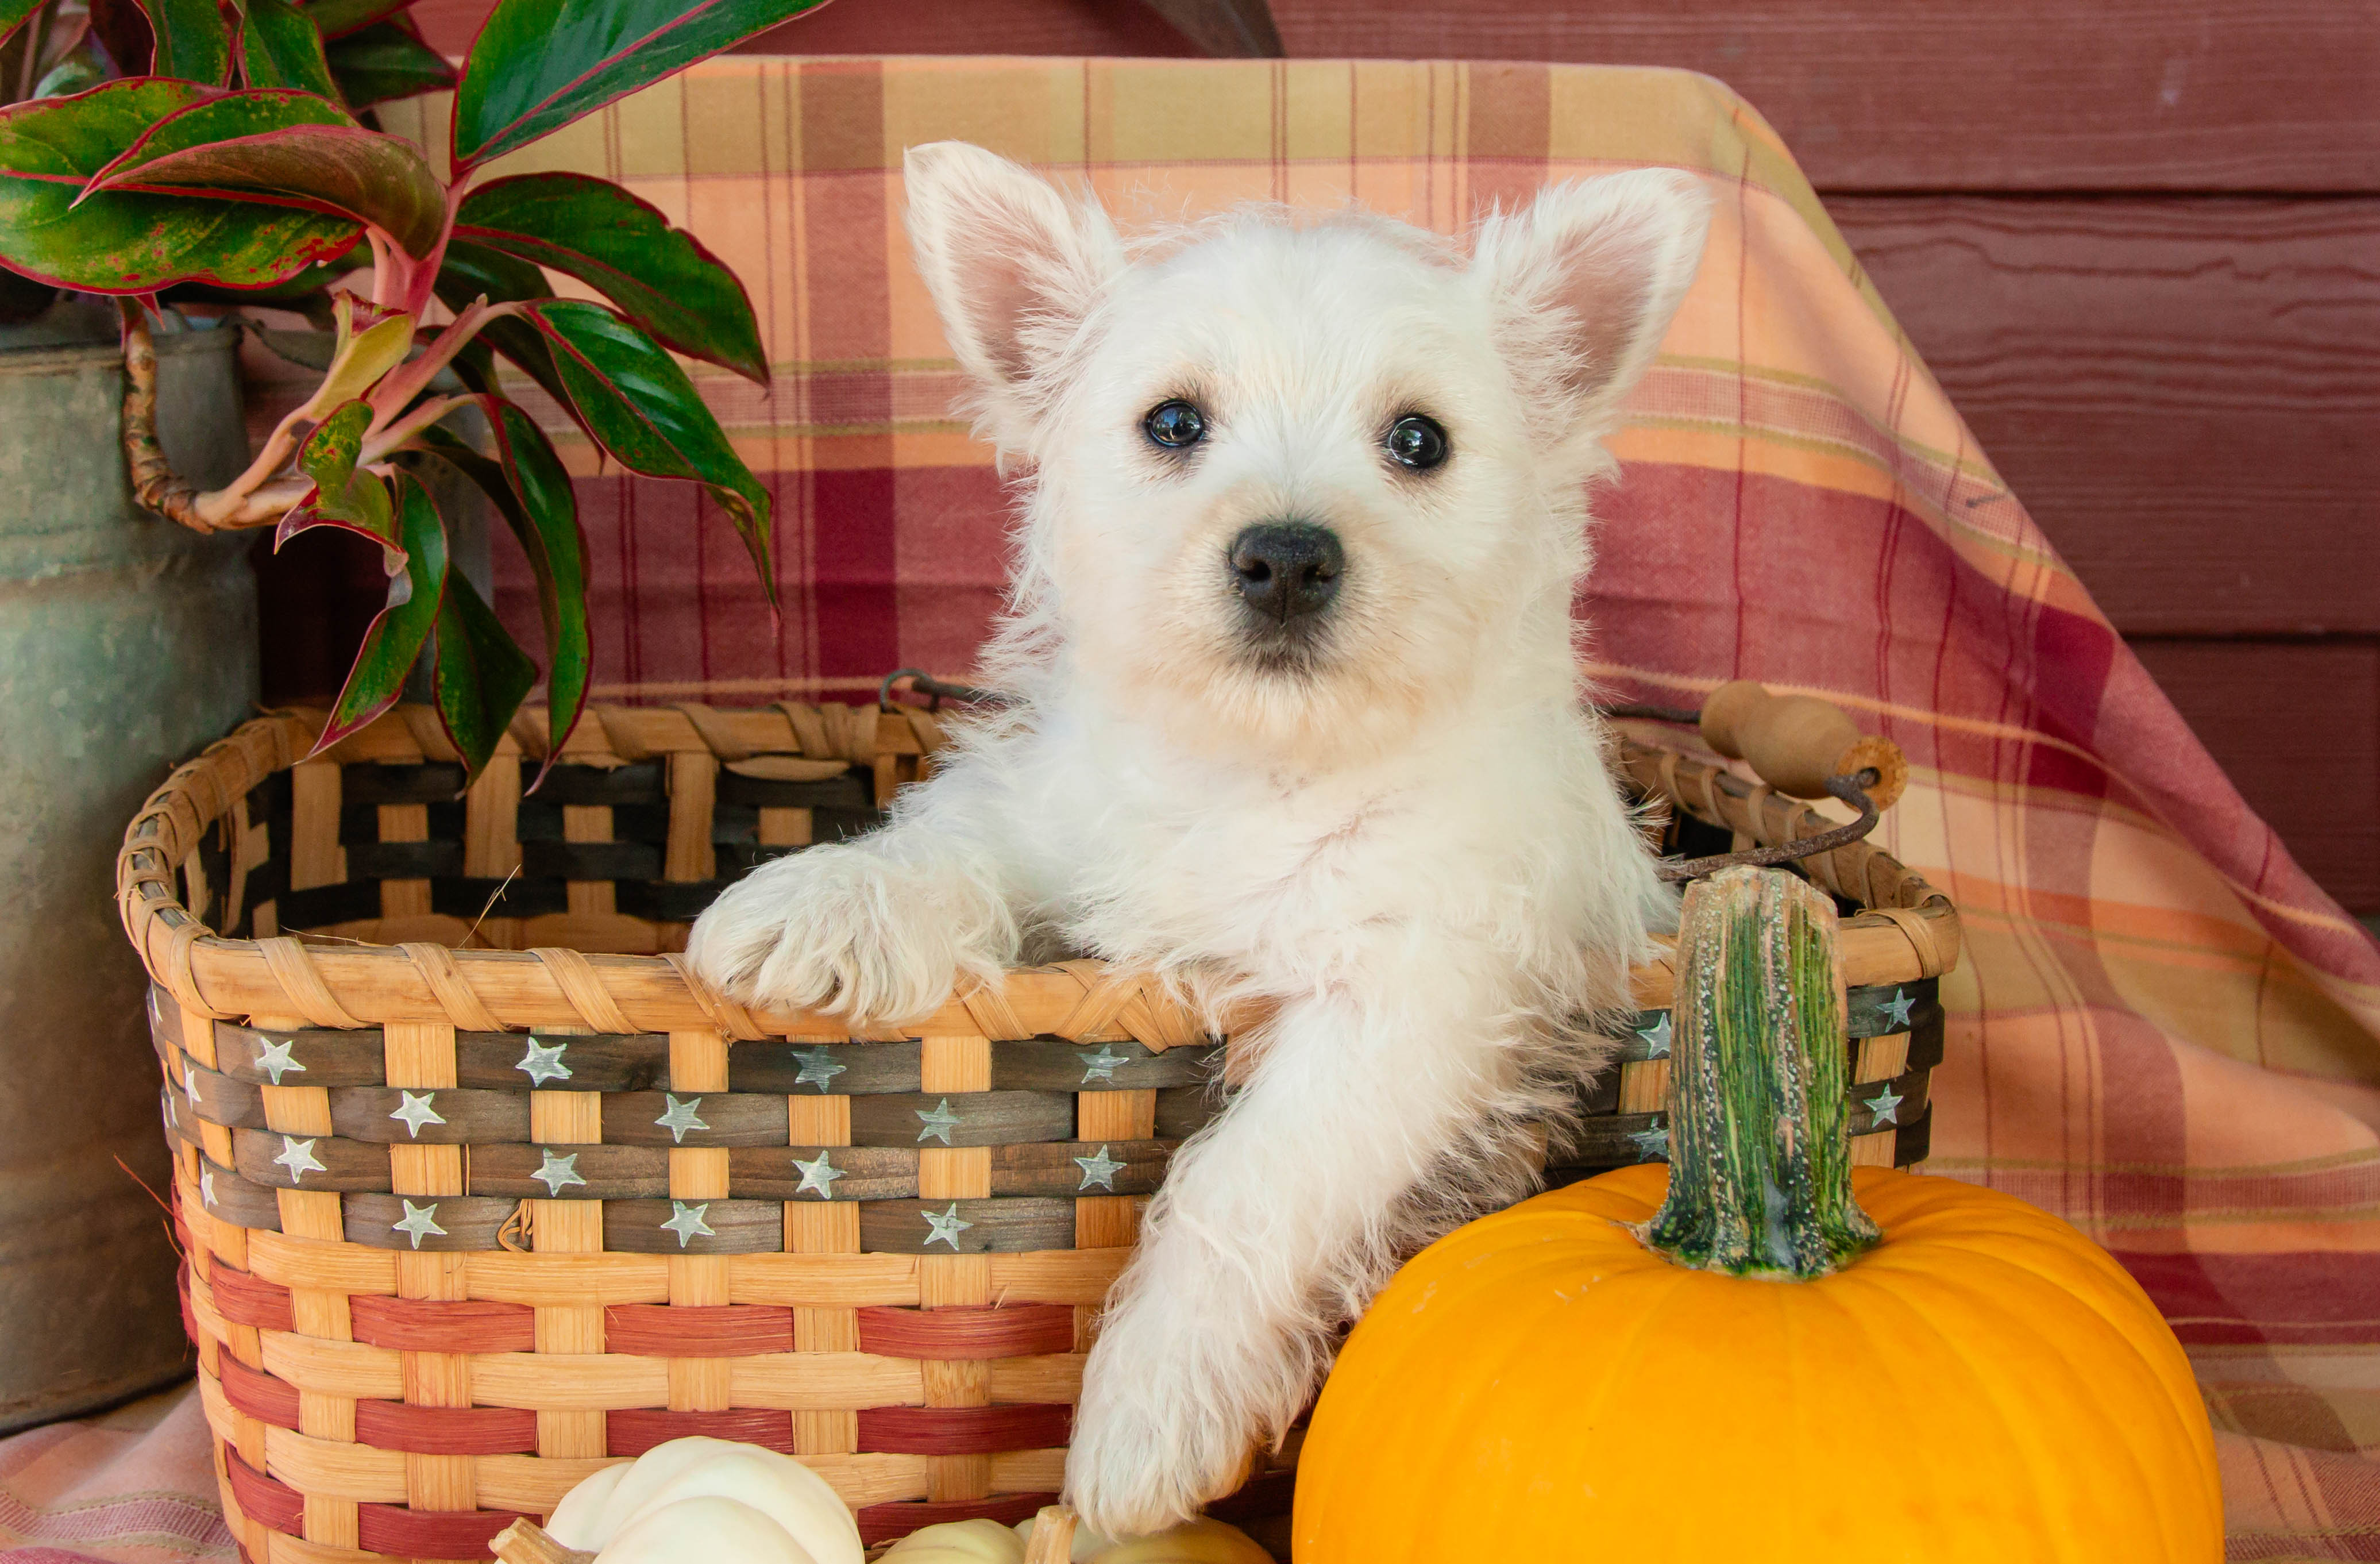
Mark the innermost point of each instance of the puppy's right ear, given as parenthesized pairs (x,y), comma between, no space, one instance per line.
(1013,268)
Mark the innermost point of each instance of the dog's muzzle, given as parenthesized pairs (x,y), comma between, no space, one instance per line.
(1286,573)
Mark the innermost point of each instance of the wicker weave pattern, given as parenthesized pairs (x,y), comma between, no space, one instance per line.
(435,1281)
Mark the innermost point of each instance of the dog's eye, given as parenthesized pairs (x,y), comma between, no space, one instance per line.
(1416,441)
(1175,424)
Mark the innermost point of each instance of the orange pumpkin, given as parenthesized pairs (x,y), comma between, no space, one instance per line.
(1727,1360)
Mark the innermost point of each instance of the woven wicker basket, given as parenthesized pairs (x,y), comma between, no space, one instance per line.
(463,1223)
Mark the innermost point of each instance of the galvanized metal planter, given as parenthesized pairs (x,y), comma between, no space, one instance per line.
(125,644)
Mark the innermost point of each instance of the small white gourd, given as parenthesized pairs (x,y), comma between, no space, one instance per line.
(707,1501)
(959,1542)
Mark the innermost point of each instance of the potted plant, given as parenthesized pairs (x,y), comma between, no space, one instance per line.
(185,158)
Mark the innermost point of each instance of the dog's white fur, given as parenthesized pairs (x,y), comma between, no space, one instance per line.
(1410,846)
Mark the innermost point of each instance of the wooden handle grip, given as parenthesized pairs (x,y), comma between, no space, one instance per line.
(525,1542)
(1053,1535)
(1795,742)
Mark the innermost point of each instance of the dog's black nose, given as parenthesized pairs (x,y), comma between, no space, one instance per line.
(1284,570)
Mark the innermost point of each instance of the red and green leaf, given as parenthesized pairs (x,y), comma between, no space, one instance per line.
(13,14)
(384,62)
(336,18)
(190,40)
(399,631)
(365,344)
(287,148)
(538,65)
(467,272)
(280,47)
(639,406)
(481,677)
(129,242)
(346,496)
(529,487)
(661,276)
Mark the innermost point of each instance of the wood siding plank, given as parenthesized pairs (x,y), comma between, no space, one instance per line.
(2182,392)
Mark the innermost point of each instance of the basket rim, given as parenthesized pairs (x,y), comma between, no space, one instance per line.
(1910,932)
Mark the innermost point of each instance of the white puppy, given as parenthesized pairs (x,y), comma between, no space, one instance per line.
(1297,721)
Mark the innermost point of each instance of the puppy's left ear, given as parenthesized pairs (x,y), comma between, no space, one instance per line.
(1585,281)
(1014,268)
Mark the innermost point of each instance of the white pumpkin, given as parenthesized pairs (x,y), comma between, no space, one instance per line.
(960,1542)
(708,1500)
(1193,1542)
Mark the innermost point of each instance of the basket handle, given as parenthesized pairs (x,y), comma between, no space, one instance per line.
(1797,743)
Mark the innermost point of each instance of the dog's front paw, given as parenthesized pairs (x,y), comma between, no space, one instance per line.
(847,933)
(1155,1435)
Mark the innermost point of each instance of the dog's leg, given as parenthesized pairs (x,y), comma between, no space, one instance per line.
(1274,1225)
(877,929)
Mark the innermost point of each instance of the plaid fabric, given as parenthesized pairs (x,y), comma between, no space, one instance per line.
(2162,1031)
(133,1485)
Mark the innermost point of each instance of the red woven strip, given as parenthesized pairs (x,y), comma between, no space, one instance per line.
(429,1534)
(1023,1330)
(884,1522)
(393,1426)
(962,1430)
(422,1325)
(263,1499)
(724,1330)
(249,1300)
(258,1394)
(634,1432)
(182,1294)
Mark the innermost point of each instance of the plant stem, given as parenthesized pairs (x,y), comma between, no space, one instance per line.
(37,35)
(384,291)
(253,499)
(154,483)
(1759,1149)
(404,384)
(378,444)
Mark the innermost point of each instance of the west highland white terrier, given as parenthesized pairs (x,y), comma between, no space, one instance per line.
(1297,720)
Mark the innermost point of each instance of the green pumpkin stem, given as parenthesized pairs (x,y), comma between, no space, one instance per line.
(1760,1160)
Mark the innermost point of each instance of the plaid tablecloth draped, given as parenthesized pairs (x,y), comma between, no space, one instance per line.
(2162,1031)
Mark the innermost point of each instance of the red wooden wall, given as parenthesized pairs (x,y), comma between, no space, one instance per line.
(2139,241)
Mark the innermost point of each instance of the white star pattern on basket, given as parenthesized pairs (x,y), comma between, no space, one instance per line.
(298,1157)
(1886,1107)
(1101,1066)
(939,1121)
(1100,1169)
(820,1175)
(1896,1011)
(206,1186)
(818,1068)
(190,1083)
(419,1222)
(275,1061)
(1657,1037)
(686,1222)
(417,1112)
(543,1062)
(1651,1141)
(679,1118)
(947,1225)
(558,1171)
